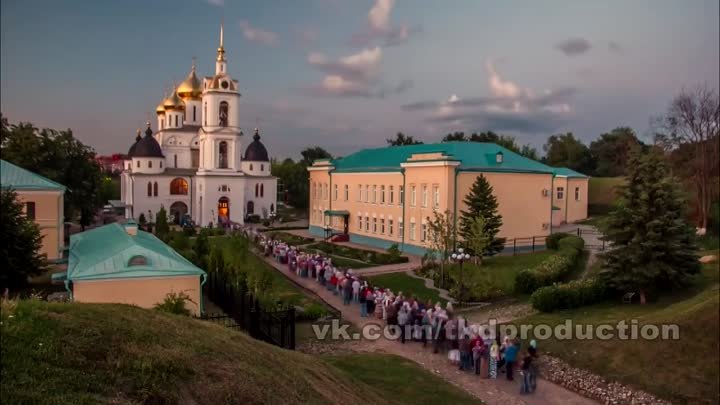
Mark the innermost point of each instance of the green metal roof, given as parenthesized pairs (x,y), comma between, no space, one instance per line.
(12,176)
(471,155)
(105,252)
(565,172)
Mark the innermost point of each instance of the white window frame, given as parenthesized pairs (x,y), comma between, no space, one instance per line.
(424,195)
(413,195)
(346,189)
(412,231)
(390,227)
(391,200)
(382,194)
(577,193)
(560,193)
(436,196)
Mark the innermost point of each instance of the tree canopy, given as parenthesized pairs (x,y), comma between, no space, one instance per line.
(59,156)
(564,150)
(402,139)
(505,141)
(611,151)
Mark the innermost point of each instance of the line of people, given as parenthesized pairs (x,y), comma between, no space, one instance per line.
(417,321)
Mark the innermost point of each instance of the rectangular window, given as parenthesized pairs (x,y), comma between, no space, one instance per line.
(335,192)
(412,230)
(413,199)
(390,227)
(138,163)
(359,193)
(374,225)
(367,224)
(149,164)
(392,195)
(382,194)
(359,223)
(382,225)
(423,234)
(577,193)
(347,192)
(402,195)
(424,195)
(401,229)
(436,196)
(560,193)
(30,209)
(367,193)
(326,191)
(374,195)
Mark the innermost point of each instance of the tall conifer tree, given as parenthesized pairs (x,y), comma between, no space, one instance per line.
(481,202)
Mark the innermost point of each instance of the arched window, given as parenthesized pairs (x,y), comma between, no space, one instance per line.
(175,161)
(194,109)
(176,120)
(138,163)
(223,115)
(205,113)
(257,190)
(223,155)
(149,189)
(251,166)
(161,164)
(262,190)
(262,168)
(179,187)
(137,261)
(155,189)
(149,164)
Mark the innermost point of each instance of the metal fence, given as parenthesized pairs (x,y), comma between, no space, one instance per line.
(594,239)
(244,311)
(524,245)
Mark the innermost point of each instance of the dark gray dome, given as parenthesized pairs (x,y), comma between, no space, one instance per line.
(256,151)
(146,147)
(131,151)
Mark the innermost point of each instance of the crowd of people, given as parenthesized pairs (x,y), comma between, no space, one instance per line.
(426,323)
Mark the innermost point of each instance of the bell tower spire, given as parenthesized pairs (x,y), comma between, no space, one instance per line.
(220,65)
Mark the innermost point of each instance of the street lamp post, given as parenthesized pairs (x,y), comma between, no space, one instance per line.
(460,257)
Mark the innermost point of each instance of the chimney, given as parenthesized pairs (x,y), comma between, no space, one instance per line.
(131,228)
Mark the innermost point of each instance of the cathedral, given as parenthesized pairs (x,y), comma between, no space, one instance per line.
(194,164)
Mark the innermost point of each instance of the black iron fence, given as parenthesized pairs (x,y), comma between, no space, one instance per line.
(244,311)
(594,239)
(524,245)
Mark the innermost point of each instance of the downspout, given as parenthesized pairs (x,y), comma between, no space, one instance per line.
(455,219)
(330,199)
(552,198)
(67,288)
(567,196)
(402,239)
(203,280)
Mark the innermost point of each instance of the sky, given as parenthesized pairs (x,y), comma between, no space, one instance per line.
(348,74)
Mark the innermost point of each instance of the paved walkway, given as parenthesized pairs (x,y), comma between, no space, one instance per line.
(591,236)
(493,392)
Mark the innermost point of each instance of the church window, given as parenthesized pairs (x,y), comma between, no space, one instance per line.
(161,164)
(138,163)
(179,187)
(176,120)
(194,110)
(223,155)
(149,189)
(262,168)
(205,113)
(251,167)
(223,114)
(262,190)
(257,190)
(149,164)
(175,160)
(155,189)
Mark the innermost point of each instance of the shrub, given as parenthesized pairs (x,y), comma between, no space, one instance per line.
(174,303)
(552,241)
(574,294)
(189,231)
(552,269)
(253,219)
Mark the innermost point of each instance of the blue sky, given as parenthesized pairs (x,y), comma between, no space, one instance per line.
(347,74)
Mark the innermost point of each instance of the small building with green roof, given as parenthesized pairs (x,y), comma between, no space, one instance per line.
(118,263)
(385,196)
(43,200)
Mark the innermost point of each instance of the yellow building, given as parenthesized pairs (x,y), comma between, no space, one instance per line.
(387,195)
(43,202)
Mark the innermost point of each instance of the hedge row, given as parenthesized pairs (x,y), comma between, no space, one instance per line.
(574,294)
(552,269)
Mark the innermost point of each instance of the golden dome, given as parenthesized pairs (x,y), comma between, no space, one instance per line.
(174,102)
(160,109)
(190,88)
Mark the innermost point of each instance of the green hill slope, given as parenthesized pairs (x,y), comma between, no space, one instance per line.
(116,354)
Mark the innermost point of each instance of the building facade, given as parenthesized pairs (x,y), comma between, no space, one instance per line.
(43,200)
(194,164)
(387,195)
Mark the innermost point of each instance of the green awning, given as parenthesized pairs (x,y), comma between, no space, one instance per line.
(336,213)
(554,208)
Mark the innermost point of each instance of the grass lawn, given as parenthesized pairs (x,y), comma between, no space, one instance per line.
(496,276)
(684,371)
(405,382)
(369,256)
(408,285)
(344,262)
(106,354)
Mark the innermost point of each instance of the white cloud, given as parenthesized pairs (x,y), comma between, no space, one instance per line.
(257,35)
(355,75)
(508,108)
(380,28)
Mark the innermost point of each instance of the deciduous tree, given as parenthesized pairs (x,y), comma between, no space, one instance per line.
(402,139)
